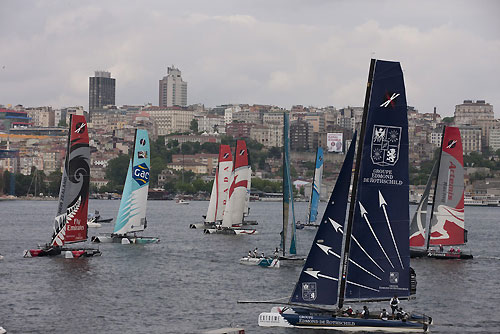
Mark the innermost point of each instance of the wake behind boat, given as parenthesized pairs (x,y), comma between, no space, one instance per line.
(132,213)
(443,236)
(71,218)
(366,257)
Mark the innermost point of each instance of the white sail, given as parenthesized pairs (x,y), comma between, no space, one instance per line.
(210,217)
(223,185)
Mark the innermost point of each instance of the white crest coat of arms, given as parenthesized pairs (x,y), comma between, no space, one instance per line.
(385,145)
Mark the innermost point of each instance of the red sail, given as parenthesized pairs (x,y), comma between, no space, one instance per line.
(71,219)
(447,224)
(241,155)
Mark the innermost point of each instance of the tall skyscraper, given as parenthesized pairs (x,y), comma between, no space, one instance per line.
(173,91)
(101,90)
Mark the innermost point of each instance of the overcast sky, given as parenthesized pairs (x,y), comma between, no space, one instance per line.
(314,52)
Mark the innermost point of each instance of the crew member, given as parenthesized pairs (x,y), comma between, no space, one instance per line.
(394,304)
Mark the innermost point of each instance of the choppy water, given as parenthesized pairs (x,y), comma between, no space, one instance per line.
(190,282)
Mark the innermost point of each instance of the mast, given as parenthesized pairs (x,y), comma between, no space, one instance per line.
(285,184)
(347,240)
(428,231)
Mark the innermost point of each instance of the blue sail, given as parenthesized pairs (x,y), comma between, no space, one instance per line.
(287,191)
(379,249)
(132,212)
(319,278)
(316,186)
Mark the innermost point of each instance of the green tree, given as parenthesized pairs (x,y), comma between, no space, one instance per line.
(116,173)
(194,125)
(449,120)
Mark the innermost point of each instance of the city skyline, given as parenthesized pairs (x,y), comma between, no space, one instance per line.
(281,53)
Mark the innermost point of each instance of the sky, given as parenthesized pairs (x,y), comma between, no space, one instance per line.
(277,52)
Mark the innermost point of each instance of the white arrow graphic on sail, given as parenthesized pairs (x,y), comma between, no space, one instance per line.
(328,250)
(316,274)
(338,229)
(383,204)
(365,216)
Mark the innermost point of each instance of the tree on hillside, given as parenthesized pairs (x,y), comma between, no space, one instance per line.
(194,125)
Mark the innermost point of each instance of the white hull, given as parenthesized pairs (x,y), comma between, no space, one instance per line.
(263,262)
(276,319)
(124,240)
(230,231)
(94,225)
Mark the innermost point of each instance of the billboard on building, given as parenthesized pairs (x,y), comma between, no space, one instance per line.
(334,142)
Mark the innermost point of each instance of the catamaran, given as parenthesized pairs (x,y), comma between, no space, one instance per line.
(237,195)
(132,213)
(315,190)
(367,258)
(71,218)
(446,237)
(288,237)
(220,189)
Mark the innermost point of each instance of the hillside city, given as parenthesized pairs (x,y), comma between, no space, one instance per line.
(185,141)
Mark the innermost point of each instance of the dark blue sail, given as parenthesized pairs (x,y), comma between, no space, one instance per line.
(318,282)
(379,256)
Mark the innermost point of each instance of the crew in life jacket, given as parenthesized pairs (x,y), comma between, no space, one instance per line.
(384,315)
(394,304)
(365,314)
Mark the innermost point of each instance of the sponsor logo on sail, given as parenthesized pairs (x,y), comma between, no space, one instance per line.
(309,291)
(394,277)
(389,100)
(451,180)
(140,173)
(80,127)
(451,144)
(385,145)
(142,154)
(242,152)
(142,141)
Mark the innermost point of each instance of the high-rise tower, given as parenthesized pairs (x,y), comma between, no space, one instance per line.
(101,90)
(173,91)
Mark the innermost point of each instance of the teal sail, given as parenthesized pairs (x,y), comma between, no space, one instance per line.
(287,192)
(132,213)
(316,187)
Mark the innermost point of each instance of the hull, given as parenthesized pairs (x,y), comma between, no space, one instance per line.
(230,231)
(63,252)
(212,225)
(265,262)
(93,224)
(124,240)
(417,252)
(436,253)
(322,320)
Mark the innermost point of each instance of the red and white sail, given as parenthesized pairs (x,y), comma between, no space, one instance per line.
(238,189)
(447,222)
(220,188)
(71,219)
